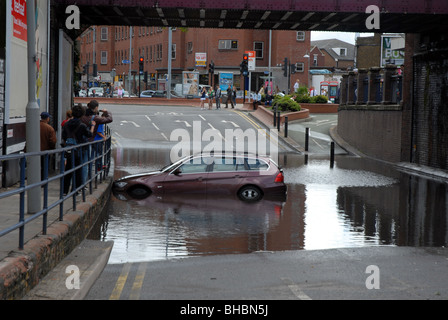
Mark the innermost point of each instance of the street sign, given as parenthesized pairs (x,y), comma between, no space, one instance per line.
(251,61)
(125,61)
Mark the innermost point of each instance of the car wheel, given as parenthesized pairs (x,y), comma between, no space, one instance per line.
(139,192)
(250,193)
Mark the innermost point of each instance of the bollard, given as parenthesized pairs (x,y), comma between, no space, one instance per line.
(286,126)
(307,138)
(332,155)
(275,118)
(278,121)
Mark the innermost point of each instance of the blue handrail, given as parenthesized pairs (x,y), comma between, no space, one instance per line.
(98,157)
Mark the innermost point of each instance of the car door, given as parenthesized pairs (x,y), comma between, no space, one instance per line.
(226,176)
(188,178)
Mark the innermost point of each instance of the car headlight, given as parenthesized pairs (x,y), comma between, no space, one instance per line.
(121,184)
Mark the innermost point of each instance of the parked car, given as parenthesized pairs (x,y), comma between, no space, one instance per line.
(159,93)
(248,177)
(82,93)
(147,93)
(99,92)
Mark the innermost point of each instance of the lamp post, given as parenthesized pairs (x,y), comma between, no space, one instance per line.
(308,74)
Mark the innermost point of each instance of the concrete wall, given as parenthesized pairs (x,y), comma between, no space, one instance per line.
(373,130)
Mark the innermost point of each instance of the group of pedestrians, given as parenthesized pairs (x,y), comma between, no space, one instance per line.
(216,95)
(80,126)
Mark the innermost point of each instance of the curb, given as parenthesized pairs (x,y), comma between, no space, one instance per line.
(89,259)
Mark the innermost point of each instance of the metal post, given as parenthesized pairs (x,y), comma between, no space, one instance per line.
(332,155)
(170,55)
(130,62)
(286,126)
(307,138)
(278,121)
(32,114)
(275,117)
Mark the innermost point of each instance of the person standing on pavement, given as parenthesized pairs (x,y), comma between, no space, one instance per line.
(218,97)
(296,85)
(47,137)
(211,96)
(234,96)
(229,98)
(92,118)
(203,96)
(76,132)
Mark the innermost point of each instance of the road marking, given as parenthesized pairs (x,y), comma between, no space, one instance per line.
(234,124)
(132,122)
(149,119)
(200,116)
(295,289)
(166,138)
(121,281)
(138,282)
(186,123)
(155,126)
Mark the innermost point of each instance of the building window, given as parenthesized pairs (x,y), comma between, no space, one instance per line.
(103,57)
(342,52)
(228,44)
(300,67)
(190,47)
(258,48)
(315,60)
(300,36)
(173,51)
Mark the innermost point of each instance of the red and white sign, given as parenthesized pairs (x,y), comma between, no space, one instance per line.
(18,12)
(251,62)
(201,59)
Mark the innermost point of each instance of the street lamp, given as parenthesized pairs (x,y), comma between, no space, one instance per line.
(308,76)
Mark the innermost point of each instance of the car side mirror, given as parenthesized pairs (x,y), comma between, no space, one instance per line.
(177,172)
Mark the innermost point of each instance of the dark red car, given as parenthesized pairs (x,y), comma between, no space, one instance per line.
(248,177)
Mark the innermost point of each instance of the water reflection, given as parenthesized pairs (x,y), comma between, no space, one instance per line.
(357,203)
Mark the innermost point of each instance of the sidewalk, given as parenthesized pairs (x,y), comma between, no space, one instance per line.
(20,270)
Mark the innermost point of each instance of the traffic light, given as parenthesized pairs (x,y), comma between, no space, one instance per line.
(293,68)
(140,64)
(211,67)
(244,67)
(145,76)
(95,70)
(285,67)
(85,69)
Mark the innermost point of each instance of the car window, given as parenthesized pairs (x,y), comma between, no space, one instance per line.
(195,165)
(257,164)
(227,164)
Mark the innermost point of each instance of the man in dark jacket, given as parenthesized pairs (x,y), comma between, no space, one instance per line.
(92,115)
(78,131)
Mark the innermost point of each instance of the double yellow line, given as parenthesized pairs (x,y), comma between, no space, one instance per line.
(136,286)
(257,126)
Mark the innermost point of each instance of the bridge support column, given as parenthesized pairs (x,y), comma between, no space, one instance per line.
(351,87)
(343,90)
(389,71)
(361,96)
(373,76)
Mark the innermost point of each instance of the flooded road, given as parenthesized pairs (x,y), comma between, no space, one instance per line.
(357,203)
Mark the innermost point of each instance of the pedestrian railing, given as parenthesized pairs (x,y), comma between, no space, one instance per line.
(97,162)
(372,86)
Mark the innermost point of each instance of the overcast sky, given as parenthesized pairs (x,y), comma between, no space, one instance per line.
(344,36)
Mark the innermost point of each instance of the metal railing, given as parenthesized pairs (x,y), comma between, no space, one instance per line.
(97,162)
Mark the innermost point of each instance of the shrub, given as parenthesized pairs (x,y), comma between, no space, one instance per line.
(319,99)
(286,103)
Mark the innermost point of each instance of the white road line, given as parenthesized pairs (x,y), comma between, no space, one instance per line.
(298,292)
(149,119)
(200,116)
(163,135)
(155,126)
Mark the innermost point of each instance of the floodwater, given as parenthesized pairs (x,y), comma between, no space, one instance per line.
(356,203)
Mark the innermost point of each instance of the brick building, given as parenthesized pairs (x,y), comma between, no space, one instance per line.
(109,46)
